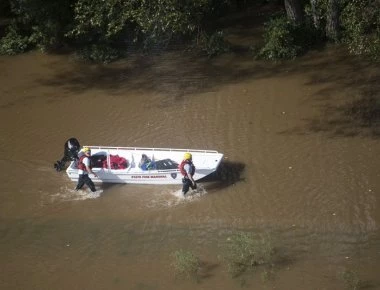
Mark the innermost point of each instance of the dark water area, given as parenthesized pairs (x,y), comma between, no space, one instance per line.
(300,138)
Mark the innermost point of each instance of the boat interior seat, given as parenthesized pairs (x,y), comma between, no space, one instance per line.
(132,164)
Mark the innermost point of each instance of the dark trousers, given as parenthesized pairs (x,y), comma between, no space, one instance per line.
(186,184)
(85,179)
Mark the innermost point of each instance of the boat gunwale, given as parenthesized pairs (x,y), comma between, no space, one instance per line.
(152,149)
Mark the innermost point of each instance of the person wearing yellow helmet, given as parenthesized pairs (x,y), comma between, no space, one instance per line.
(86,149)
(84,169)
(187,169)
(187,156)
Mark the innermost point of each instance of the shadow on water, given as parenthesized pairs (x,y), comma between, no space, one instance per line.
(227,174)
(173,74)
(178,75)
(357,118)
(354,113)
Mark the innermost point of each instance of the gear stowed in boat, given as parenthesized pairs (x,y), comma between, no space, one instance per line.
(160,165)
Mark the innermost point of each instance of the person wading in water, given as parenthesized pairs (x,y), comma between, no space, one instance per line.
(84,169)
(187,169)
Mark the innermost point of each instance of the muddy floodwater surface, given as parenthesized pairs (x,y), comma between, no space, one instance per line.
(301,144)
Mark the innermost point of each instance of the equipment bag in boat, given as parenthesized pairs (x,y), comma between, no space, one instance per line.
(166,164)
(100,161)
(118,162)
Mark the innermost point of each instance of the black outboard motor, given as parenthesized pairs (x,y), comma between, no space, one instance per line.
(70,153)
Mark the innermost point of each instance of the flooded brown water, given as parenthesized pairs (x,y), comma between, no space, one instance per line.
(301,144)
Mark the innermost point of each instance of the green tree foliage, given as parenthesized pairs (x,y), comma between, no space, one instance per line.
(213,44)
(13,42)
(44,22)
(100,20)
(102,29)
(105,29)
(361,24)
(163,20)
(280,40)
(356,22)
(99,27)
(102,26)
(150,22)
(288,36)
(316,11)
(285,39)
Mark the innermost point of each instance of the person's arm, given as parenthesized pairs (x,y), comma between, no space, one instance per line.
(192,179)
(89,170)
(188,171)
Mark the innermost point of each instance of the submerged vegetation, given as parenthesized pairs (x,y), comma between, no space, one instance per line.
(186,264)
(351,279)
(245,252)
(248,255)
(242,254)
(106,30)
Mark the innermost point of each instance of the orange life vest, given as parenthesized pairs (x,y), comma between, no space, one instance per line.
(182,168)
(81,165)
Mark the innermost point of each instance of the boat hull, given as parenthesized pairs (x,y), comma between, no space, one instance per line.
(205,161)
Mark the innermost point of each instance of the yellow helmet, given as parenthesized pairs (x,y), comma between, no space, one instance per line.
(187,156)
(86,149)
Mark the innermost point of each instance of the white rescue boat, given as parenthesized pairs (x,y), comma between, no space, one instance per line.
(122,164)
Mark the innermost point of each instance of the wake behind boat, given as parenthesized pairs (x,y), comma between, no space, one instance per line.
(145,165)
